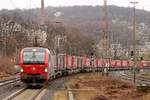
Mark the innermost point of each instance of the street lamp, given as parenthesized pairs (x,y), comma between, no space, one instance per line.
(134,38)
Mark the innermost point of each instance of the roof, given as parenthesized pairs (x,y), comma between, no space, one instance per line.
(31,48)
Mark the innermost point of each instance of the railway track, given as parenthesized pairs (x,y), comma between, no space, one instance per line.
(142,81)
(36,93)
(9,81)
(26,94)
(9,85)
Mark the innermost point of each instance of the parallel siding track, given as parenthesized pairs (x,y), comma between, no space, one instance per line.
(9,81)
(145,81)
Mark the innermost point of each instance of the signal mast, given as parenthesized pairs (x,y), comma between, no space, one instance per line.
(105,38)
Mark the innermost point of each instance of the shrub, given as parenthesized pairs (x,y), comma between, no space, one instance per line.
(7,65)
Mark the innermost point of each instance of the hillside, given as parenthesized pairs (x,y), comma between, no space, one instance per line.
(88,19)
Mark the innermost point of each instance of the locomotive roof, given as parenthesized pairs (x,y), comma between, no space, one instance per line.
(37,48)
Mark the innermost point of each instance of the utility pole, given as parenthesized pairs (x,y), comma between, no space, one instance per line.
(105,32)
(134,39)
(42,13)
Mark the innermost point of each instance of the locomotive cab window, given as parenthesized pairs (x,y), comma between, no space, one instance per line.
(32,57)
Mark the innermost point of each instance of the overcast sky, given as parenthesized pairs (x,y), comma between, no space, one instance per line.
(12,4)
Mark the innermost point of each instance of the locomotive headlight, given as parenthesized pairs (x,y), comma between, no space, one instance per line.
(21,70)
(46,70)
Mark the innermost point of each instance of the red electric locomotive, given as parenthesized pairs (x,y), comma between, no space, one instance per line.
(36,65)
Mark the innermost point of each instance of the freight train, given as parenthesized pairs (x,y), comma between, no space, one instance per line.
(38,65)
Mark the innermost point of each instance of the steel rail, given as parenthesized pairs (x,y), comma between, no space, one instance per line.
(15,94)
(10,81)
(139,80)
(38,93)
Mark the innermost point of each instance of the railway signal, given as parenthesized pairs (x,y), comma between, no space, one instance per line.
(91,58)
(134,38)
(132,53)
(141,58)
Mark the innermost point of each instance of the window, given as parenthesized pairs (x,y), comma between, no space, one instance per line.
(34,57)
